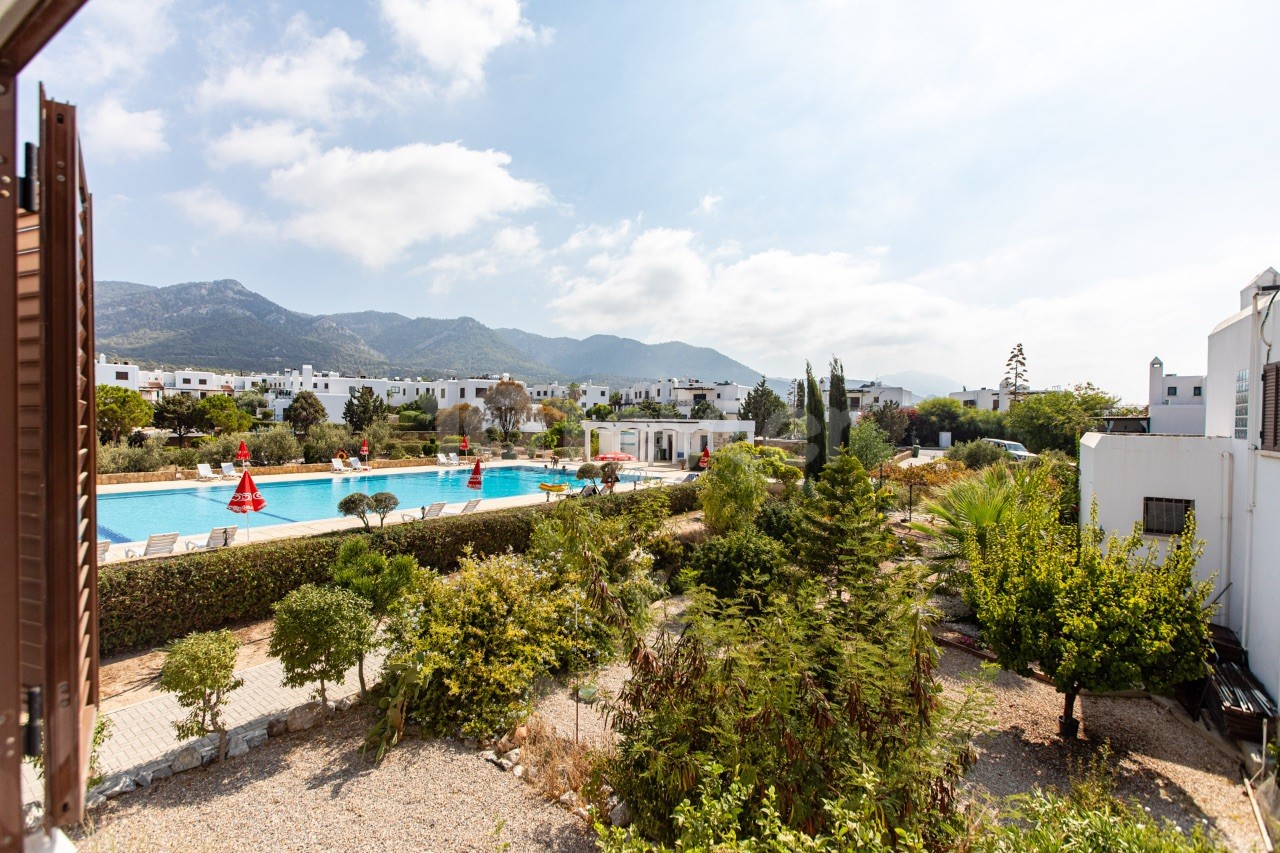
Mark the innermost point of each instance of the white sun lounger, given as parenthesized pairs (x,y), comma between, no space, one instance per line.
(441,459)
(470,507)
(219,537)
(453,459)
(432,511)
(229,471)
(103,546)
(338,467)
(204,472)
(356,465)
(157,544)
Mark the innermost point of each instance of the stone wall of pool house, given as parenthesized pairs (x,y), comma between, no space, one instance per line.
(173,473)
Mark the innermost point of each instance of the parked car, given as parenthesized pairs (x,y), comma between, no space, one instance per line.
(1013,448)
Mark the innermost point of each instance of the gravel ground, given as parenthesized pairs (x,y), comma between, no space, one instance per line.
(1167,769)
(315,791)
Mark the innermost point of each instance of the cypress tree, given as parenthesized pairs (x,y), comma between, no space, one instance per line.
(838,401)
(815,427)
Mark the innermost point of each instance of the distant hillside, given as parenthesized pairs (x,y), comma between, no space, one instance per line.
(609,355)
(224,325)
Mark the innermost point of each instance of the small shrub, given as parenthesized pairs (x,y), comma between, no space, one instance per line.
(379,581)
(430,448)
(200,670)
(780,520)
(396,451)
(320,633)
(733,490)
(469,650)
(976,454)
(740,565)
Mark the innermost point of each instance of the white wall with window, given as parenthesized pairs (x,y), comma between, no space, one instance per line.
(1176,404)
(1232,474)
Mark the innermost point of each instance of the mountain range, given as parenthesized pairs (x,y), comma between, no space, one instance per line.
(222,325)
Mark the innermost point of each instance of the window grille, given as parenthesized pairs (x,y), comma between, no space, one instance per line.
(1165,516)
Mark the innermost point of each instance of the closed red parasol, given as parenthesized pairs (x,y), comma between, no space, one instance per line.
(474,481)
(465,445)
(246,499)
(242,455)
(364,447)
(705,459)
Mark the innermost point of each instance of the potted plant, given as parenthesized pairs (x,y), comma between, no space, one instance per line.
(508,450)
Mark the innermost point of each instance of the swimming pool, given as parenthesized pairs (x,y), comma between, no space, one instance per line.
(133,516)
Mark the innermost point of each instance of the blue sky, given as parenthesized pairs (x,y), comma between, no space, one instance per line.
(911,186)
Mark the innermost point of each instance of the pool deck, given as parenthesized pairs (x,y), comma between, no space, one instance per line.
(659,474)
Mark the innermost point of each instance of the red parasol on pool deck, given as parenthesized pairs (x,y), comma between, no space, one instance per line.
(465,445)
(246,499)
(364,447)
(242,455)
(474,481)
(705,459)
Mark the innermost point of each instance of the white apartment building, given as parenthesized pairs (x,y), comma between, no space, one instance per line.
(588,395)
(991,399)
(863,394)
(683,393)
(1176,403)
(1229,476)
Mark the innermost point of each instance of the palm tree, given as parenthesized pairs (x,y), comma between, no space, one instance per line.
(968,509)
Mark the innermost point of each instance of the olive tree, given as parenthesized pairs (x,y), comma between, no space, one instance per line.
(1097,613)
(375,578)
(200,670)
(508,404)
(358,504)
(382,503)
(320,633)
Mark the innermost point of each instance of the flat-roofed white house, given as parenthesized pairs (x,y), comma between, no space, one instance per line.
(1230,476)
(670,441)
(1176,403)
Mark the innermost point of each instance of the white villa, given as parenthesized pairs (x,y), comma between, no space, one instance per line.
(990,399)
(1176,403)
(1229,476)
(670,441)
(683,393)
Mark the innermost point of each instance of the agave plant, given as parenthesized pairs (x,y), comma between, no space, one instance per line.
(968,508)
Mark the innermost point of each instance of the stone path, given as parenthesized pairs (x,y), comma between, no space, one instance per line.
(143,735)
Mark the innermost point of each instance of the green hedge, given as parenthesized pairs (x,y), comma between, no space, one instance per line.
(148,603)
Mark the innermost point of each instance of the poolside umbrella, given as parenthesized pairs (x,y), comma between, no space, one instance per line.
(364,448)
(242,455)
(705,459)
(464,446)
(474,481)
(246,499)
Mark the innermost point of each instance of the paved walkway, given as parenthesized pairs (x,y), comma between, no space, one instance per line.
(143,734)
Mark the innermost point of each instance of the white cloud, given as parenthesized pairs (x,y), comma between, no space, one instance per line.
(109,39)
(455,37)
(708,203)
(112,132)
(209,208)
(776,308)
(374,205)
(598,237)
(263,144)
(312,77)
(511,247)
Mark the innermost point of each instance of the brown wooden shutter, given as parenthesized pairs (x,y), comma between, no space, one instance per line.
(69,462)
(1271,407)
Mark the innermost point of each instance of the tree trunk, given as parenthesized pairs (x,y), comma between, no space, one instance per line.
(360,674)
(1068,725)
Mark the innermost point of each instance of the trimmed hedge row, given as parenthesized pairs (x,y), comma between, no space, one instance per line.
(148,603)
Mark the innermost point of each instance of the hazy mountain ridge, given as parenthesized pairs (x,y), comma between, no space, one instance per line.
(223,325)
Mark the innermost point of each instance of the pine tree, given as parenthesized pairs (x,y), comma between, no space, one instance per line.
(845,535)
(764,407)
(838,401)
(815,427)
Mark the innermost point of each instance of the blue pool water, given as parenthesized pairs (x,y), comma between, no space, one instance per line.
(133,516)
